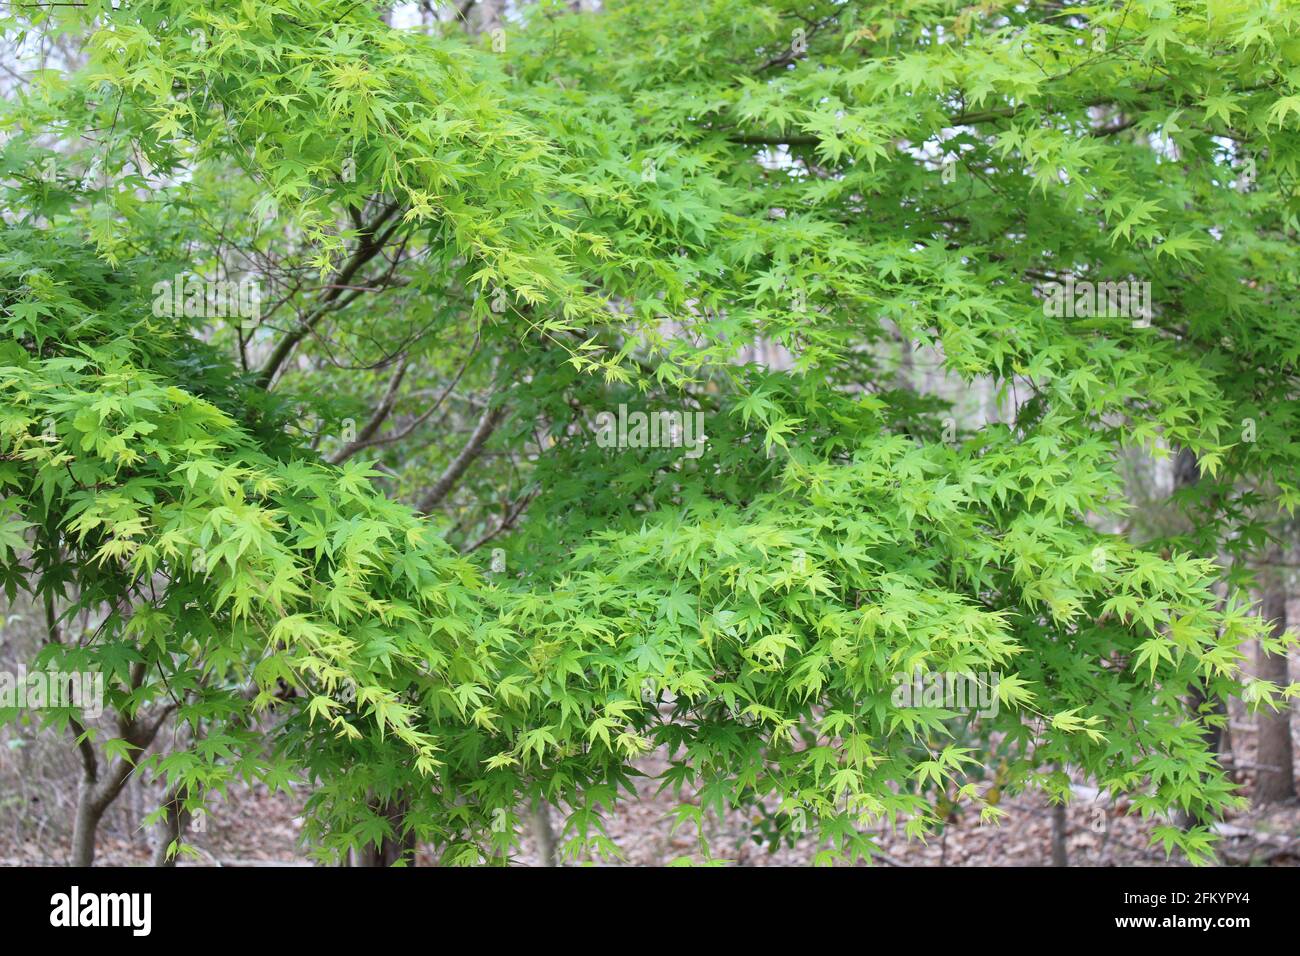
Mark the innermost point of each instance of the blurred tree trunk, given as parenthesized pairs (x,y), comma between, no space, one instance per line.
(543,833)
(1060,855)
(1276,780)
(1187,472)
(484,15)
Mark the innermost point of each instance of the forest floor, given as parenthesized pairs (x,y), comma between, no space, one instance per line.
(252,827)
(255,828)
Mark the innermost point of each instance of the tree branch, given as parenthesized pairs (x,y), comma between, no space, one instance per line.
(366,250)
(381,414)
(507,522)
(487,424)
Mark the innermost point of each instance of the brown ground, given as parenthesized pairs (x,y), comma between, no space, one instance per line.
(38,770)
(254,828)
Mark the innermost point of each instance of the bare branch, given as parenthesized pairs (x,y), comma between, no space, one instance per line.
(507,522)
(381,414)
(423,417)
(369,246)
(473,448)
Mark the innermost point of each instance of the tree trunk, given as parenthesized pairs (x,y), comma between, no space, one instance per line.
(393,848)
(484,15)
(89,813)
(542,832)
(1060,856)
(1186,473)
(1276,780)
(93,800)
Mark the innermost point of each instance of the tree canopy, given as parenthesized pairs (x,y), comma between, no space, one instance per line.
(470,243)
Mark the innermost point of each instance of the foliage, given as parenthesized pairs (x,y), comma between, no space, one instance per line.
(649,189)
